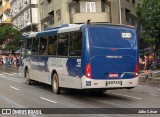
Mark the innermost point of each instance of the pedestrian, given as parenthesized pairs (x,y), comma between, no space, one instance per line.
(140,62)
(151,57)
(14,61)
(4,59)
(147,66)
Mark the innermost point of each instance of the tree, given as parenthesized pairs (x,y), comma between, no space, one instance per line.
(7,32)
(148,13)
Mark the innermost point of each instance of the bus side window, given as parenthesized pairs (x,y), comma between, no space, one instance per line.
(43,46)
(75,47)
(35,46)
(52,45)
(63,44)
(29,47)
(22,45)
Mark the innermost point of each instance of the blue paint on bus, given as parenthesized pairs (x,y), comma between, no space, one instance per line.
(111,51)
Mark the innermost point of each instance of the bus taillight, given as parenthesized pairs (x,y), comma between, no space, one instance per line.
(136,71)
(88,71)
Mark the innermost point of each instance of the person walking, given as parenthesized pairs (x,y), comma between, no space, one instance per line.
(140,63)
(147,66)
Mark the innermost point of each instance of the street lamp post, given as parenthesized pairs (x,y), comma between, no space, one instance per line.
(120,15)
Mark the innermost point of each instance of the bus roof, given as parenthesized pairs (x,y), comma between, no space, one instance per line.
(68,28)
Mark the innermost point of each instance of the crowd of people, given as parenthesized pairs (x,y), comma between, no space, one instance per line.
(11,60)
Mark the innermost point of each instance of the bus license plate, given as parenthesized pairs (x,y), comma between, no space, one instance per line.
(113,83)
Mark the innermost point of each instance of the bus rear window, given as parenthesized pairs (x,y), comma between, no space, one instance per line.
(111,36)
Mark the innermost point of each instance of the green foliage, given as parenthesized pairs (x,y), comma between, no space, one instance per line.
(149,40)
(148,13)
(7,31)
(149,16)
(2,33)
(11,47)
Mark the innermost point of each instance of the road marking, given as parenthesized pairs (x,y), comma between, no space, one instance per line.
(14,88)
(127,96)
(47,100)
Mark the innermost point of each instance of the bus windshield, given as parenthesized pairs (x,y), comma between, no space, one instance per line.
(111,37)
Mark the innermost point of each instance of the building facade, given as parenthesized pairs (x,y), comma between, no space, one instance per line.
(25,14)
(56,12)
(5,12)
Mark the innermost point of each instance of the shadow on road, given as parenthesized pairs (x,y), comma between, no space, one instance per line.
(83,94)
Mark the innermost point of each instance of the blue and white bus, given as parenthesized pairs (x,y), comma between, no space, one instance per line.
(82,56)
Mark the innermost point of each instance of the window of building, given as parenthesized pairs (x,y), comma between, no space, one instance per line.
(25,2)
(106,6)
(29,47)
(63,44)
(49,1)
(51,20)
(133,2)
(27,12)
(35,46)
(75,46)
(20,6)
(130,18)
(58,15)
(74,8)
(45,25)
(52,45)
(43,46)
(42,7)
(90,7)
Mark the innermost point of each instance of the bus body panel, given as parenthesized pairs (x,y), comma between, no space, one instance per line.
(110,55)
(68,70)
(104,60)
(104,64)
(109,83)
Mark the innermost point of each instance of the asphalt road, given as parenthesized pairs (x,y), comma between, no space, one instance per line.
(15,93)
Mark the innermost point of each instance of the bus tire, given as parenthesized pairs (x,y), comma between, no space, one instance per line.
(55,84)
(28,80)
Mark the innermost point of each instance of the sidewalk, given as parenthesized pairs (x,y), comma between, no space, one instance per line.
(9,66)
(152,81)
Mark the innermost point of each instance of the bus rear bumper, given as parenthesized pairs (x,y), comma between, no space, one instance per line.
(109,84)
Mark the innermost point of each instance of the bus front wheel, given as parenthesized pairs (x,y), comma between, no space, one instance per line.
(28,80)
(55,84)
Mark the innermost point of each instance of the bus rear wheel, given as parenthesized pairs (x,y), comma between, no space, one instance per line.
(55,84)
(28,80)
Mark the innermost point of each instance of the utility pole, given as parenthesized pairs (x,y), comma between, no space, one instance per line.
(120,15)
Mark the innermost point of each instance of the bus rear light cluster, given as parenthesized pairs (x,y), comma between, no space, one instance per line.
(136,71)
(88,71)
